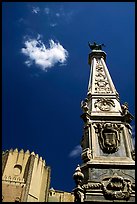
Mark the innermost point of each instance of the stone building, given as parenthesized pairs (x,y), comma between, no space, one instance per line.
(25,177)
(60,196)
(107,173)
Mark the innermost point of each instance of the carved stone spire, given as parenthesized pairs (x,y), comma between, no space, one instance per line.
(102,95)
(107,150)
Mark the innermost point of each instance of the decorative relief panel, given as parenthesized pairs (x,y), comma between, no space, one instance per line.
(13,179)
(104,104)
(108,136)
(101,82)
(116,188)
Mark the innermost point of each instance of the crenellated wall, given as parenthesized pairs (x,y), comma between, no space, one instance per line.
(25,177)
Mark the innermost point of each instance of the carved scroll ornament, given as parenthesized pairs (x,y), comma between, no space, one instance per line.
(104,104)
(86,154)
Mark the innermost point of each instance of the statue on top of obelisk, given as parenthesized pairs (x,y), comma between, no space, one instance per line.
(94,46)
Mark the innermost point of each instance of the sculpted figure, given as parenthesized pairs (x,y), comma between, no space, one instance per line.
(84,105)
(124,108)
(94,46)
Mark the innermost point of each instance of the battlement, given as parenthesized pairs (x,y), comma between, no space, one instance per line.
(22,154)
(27,170)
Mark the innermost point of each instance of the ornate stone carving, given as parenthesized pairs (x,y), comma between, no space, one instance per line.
(133,155)
(101,86)
(100,75)
(79,195)
(86,131)
(86,154)
(78,191)
(133,186)
(84,105)
(92,186)
(94,46)
(86,118)
(101,82)
(124,108)
(125,113)
(9,177)
(99,67)
(116,188)
(104,104)
(108,136)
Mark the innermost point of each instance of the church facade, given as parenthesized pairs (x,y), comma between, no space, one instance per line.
(25,177)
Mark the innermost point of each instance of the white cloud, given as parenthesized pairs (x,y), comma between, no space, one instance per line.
(76,151)
(69,15)
(58,14)
(44,57)
(66,15)
(39,36)
(46,10)
(53,24)
(35,10)
(21,20)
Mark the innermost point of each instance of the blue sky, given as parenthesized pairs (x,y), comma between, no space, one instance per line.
(45,74)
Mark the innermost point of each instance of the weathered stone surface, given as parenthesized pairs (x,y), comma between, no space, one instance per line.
(107,148)
(60,196)
(25,177)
